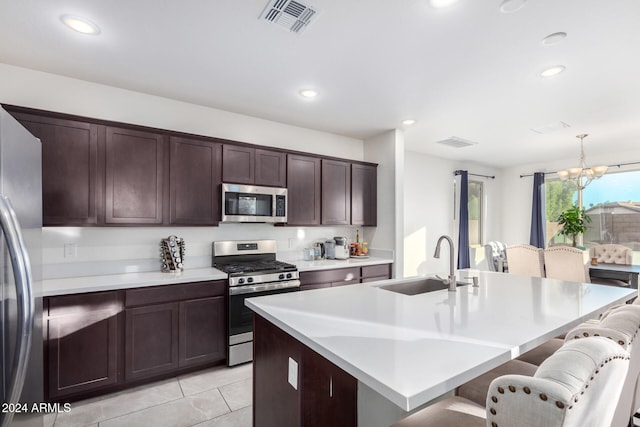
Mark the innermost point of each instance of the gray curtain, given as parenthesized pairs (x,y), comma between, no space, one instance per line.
(463,221)
(538,213)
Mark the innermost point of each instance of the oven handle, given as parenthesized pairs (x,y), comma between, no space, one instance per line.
(252,289)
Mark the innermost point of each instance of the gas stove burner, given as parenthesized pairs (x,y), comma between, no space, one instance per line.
(271,266)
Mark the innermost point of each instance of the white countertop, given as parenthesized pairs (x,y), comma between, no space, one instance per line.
(110,282)
(412,349)
(329,264)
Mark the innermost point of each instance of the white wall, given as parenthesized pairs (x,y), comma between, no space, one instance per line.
(429,210)
(387,149)
(516,202)
(102,250)
(35,89)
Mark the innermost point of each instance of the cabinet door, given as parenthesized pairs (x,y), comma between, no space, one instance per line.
(276,402)
(271,168)
(303,184)
(82,343)
(336,192)
(194,182)
(134,168)
(364,197)
(151,340)
(329,395)
(238,164)
(69,169)
(202,331)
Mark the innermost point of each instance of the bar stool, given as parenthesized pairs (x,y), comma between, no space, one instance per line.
(574,387)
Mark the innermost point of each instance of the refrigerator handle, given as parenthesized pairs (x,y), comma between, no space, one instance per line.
(25,302)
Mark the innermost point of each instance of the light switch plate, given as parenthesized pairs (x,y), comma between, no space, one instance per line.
(293,373)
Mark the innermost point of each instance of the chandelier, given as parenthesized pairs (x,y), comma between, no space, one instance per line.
(583,175)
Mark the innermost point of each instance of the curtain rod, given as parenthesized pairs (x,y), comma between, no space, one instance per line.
(458,172)
(618,165)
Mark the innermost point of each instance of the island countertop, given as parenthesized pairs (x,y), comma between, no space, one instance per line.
(412,349)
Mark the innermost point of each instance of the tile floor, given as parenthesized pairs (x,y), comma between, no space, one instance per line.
(219,397)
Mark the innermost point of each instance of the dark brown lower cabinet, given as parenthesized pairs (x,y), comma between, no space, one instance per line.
(82,343)
(151,340)
(99,342)
(321,394)
(202,339)
(343,276)
(329,394)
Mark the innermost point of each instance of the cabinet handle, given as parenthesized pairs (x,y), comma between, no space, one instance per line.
(330,386)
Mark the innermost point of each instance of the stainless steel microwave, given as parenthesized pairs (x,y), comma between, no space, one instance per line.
(252,203)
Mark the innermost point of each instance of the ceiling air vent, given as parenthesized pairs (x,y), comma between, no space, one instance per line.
(456,142)
(291,15)
(551,127)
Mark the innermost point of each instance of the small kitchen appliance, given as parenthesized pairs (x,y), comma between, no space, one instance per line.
(252,203)
(341,248)
(252,271)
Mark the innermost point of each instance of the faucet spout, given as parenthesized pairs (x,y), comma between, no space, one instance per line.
(452,273)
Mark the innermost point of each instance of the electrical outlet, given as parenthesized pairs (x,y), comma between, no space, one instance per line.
(290,242)
(70,250)
(293,373)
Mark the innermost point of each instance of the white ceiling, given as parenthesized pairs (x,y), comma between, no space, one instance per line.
(468,70)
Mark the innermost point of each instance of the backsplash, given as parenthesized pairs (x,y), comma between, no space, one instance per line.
(115,250)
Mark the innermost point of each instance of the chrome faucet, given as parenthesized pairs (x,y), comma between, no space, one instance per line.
(452,273)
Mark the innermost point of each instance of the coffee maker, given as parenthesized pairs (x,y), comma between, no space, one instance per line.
(342,247)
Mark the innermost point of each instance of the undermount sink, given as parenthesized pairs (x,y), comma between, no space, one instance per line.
(419,286)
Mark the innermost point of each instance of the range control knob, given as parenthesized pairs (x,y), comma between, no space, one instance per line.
(289,275)
(250,280)
(240,281)
(281,276)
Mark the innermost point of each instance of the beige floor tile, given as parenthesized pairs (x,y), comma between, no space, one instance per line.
(94,410)
(214,378)
(50,419)
(184,412)
(240,418)
(239,394)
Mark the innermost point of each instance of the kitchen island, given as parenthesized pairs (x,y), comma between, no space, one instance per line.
(401,351)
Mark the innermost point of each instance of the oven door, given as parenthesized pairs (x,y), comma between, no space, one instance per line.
(241,317)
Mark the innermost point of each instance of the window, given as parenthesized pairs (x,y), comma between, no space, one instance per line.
(612,202)
(475,213)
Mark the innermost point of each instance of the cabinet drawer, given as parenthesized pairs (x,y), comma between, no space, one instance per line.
(374,279)
(329,276)
(84,303)
(171,293)
(375,270)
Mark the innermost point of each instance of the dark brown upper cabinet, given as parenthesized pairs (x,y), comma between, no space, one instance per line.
(364,195)
(71,188)
(245,165)
(336,192)
(303,190)
(134,176)
(194,182)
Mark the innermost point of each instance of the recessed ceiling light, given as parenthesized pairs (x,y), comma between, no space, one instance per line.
(554,38)
(510,6)
(552,71)
(308,93)
(441,3)
(81,25)
(408,122)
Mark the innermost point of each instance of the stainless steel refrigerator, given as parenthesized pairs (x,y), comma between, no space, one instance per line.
(21,373)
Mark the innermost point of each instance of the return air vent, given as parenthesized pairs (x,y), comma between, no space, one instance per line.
(551,127)
(291,15)
(456,142)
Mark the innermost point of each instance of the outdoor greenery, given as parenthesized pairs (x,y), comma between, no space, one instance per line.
(559,197)
(574,222)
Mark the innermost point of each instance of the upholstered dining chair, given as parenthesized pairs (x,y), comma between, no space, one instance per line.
(566,263)
(611,254)
(577,386)
(526,260)
(622,327)
(496,254)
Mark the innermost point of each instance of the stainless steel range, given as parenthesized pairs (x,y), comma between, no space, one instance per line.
(253,271)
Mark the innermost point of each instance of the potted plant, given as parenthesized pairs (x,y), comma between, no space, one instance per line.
(574,222)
